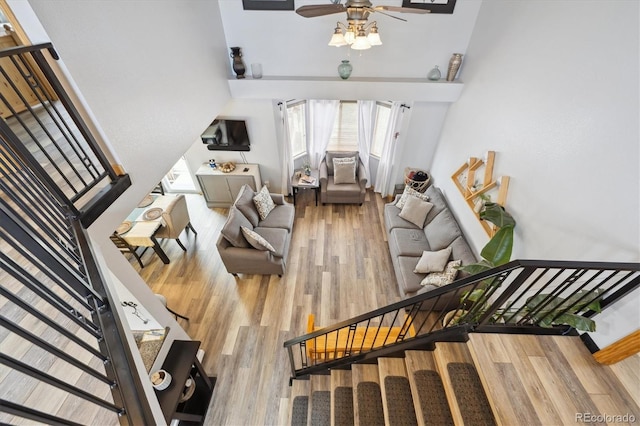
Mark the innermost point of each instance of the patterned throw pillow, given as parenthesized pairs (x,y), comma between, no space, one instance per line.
(438,279)
(410,192)
(256,240)
(264,203)
(344,170)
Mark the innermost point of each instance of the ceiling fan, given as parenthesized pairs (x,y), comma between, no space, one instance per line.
(359,34)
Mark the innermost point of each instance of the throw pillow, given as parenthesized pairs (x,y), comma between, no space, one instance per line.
(231,228)
(244,203)
(433,261)
(339,154)
(256,240)
(344,170)
(438,279)
(264,203)
(410,192)
(415,211)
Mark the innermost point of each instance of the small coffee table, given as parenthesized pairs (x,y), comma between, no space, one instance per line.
(297,185)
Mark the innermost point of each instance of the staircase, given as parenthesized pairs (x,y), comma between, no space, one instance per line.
(355,376)
(439,387)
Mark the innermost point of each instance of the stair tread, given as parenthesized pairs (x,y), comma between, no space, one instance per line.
(320,408)
(419,360)
(445,353)
(341,398)
(368,400)
(319,413)
(429,396)
(365,373)
(455,365)
(341,378)
(298,410)
(391,367)
(396,391)
(366,379)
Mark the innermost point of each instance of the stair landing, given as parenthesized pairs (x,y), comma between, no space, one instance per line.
(552,380)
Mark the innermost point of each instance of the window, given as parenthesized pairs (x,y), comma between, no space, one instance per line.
(383,112)
(297,127)
(344,136)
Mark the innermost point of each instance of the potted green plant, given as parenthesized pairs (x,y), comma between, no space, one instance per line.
(496,252)
(541,309)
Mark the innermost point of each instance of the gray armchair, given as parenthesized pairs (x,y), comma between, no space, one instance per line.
(345,193)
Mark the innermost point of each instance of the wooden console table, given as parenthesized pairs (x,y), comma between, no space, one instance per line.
(181,362)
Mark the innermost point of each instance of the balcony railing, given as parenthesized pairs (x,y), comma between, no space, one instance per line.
(60,337)
(523,296)
(43,131)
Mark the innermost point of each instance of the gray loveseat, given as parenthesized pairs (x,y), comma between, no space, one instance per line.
(407,242)
(237,254)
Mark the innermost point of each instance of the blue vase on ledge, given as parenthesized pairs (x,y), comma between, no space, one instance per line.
(344,69)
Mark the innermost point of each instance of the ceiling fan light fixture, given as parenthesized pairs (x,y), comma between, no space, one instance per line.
(361,42)
(350,35)
(374,37)
(337,39)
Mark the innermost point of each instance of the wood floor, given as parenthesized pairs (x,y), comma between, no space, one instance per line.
(338,267)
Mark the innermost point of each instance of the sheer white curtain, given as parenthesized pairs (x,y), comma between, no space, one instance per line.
(322,114)
(287,158)
(366,127)
(383,177)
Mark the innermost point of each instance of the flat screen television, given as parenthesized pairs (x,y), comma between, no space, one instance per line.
(227,135)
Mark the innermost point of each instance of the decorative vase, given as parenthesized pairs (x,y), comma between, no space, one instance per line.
(454,66)
(434,74)
(344,69)
(238,66)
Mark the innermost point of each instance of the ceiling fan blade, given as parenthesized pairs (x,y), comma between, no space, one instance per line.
(401,9)
(311,11)
(378,10)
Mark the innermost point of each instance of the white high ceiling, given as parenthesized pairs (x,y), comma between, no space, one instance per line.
(287,44)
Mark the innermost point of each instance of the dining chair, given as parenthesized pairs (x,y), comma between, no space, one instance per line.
(125,247)
(176,219)
(163,300)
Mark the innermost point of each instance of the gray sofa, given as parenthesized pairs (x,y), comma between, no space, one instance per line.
(237,254)
(407,242)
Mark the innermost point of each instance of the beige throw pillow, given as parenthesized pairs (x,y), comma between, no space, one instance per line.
(264,203)
(433,261)
(256,240)
(344,170)
(410,192)
(415,211)
(438,279)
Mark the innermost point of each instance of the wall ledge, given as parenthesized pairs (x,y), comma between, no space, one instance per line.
(401,89)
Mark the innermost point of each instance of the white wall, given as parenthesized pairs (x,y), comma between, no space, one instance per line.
(287,44)
(420,135)
(553,88)
(154,75)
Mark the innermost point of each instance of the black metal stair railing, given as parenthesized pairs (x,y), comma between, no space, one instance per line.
(522,296)
(59,332)
(43,128)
